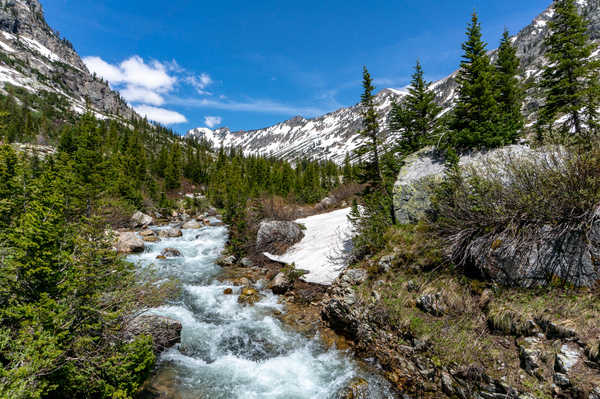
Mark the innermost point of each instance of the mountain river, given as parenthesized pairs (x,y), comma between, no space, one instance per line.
(229,350)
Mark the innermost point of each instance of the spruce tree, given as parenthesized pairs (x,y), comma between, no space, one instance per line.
(474,123)
(509,90)
(416,116)
(567,79)
(370,131)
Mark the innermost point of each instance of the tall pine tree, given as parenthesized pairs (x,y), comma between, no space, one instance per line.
(370,149)
(475,120)
(416,117)
(567,82)
(509,90)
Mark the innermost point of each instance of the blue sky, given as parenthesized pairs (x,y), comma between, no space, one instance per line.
(250,64)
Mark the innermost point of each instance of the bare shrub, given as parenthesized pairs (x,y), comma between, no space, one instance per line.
(525,221)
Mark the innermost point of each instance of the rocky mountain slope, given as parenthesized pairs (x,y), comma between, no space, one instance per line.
(34,57)
(334,135)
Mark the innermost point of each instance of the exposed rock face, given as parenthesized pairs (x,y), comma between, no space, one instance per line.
(140,219)
(47,62)
(165,332)
(129,243)
(275,236)
(412,190)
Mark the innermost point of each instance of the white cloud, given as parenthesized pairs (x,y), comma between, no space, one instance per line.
(200,82)
(212,121)
(141,95)
(103,69)
(160,115)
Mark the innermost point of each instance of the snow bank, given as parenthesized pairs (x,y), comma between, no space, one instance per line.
(323,250)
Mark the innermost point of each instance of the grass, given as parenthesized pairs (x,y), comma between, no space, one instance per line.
(481,320)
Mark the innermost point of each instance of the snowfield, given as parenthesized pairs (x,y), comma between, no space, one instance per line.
(324,249)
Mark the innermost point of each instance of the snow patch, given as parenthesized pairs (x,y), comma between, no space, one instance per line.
(324,249)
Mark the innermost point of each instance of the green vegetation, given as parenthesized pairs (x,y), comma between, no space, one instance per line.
(570,82)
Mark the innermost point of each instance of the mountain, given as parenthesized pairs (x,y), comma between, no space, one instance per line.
(34,57)
(333,135)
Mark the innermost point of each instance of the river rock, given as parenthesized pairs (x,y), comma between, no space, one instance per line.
(280,284)
(171,253)
(192,224)
(228,291)
(249,296)
(246,262)
(148,233)
(170,233)
(129,242)
(140,219)
(212,212)
(276,236)
(151,239)
(165,332)
(357,388)
(225,261)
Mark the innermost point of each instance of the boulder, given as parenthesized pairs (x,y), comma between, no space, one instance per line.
(129,242)
(225,261)
(192,224)
(280,284)
(140,219)
(165,332)
(276,236)
(212,212)
(246,262)
(151,239)
(327,202)
(228,291)
(412,190)
(170,233)
(148,233)
(249,296)
(432,304)
(171,253)
(357,388)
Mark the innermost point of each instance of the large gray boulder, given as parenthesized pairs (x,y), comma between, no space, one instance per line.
(129,242)
(165,332)
(276,236)
(425,168)
(140,219)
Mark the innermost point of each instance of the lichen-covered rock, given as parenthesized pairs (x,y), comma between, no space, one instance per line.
(165,332)
(421,170)
(129,242)
(276,236)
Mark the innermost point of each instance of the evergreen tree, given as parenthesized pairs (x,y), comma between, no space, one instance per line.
(474,123)
(347,171)
(416,117)
(567,81)
(509,90)
(370,149)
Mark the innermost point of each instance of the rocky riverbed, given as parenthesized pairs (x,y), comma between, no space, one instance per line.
(238,339)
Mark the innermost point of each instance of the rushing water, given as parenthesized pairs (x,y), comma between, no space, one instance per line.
(229,350)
